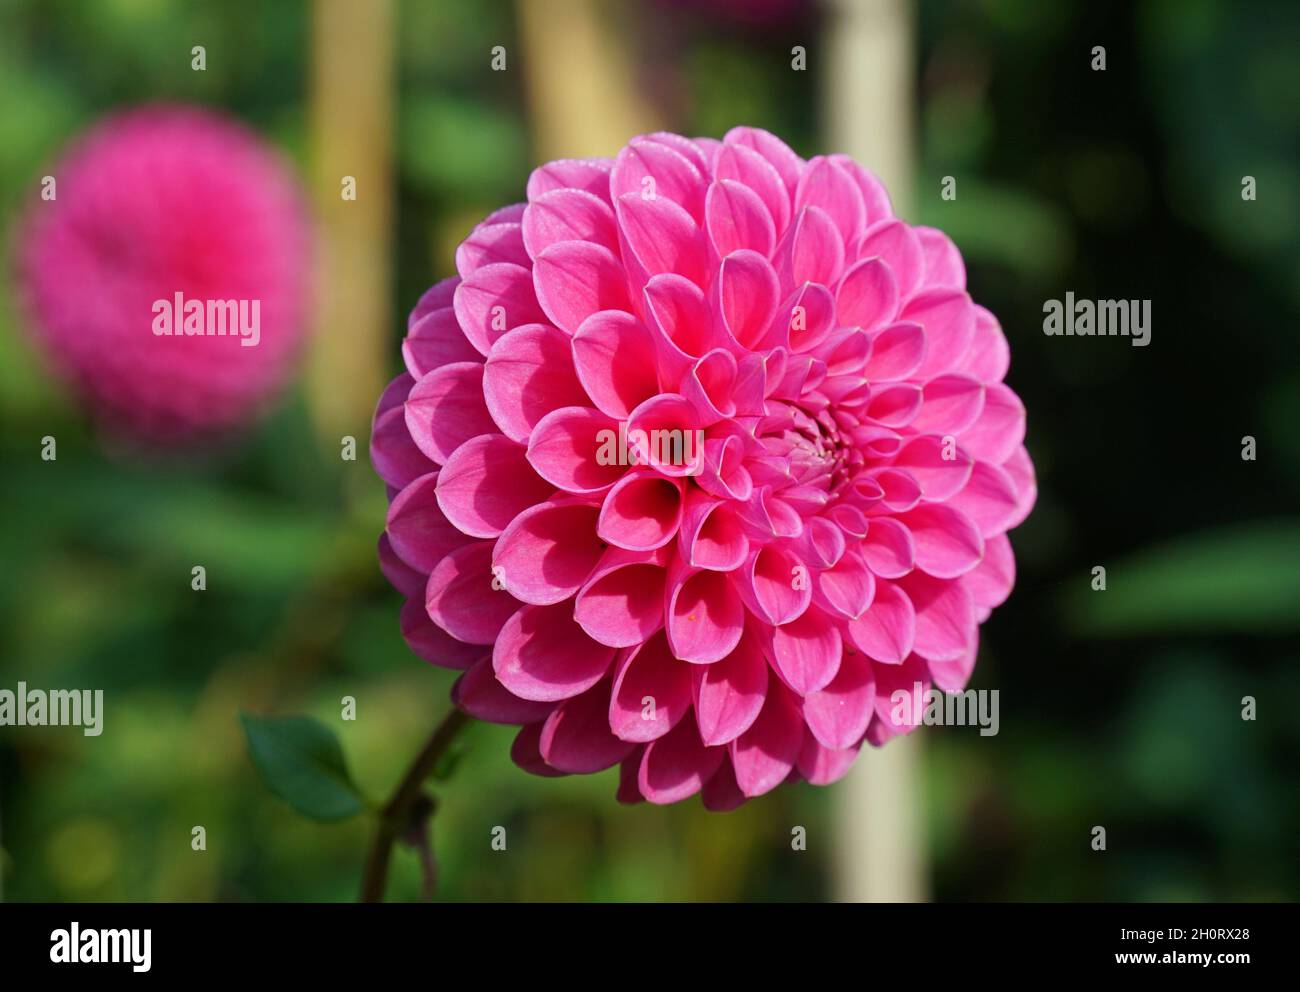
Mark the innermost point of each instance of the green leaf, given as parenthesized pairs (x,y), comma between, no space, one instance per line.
(1239,579)
(301,761)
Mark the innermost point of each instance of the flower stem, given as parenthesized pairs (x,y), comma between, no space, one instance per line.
(396,819)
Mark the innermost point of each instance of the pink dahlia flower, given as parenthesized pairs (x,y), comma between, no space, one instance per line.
(167,278)
(825,526)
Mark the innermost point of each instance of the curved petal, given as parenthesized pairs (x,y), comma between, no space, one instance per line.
(543,655)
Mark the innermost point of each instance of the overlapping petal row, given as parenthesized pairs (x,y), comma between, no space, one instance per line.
(834,531)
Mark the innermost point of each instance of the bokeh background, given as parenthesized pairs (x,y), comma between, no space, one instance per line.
(1119,708)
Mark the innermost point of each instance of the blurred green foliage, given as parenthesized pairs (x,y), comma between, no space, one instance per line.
(1120,709)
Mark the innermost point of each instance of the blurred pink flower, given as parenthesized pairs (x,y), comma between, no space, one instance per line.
(828,526)
(162,216)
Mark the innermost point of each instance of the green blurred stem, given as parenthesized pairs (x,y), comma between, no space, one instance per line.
(396,819)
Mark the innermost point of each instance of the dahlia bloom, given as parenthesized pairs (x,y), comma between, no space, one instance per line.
(726,613)
(169,211)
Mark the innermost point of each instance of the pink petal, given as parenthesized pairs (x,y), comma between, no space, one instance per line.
(887,630)
(821,544)
(721,794)
(641,512)
(948,317)
(991,581)
(548,552)
(1000,429)
(951,405)
(822,766)
(729,693)
(989,499)
(899,489)
(888,548)
(470,492)
(528,374)
(446,409)
(614,356)
(543,655)
(948,543)
(431,642)
(747,295)
(788,165)
(814,251)
(574,279)
(750,168)
(396,457)
(576,738)
(652,692)
(662,236)
(765,753)
(847,587)
(460,597)
(1021,471)
(480,695)
(874,195)
(419,531)
(868,295)
(712,535)
(898,245)
(622,603)
(490,244)
(526,752)
(400,575)
(943,264)
(945,617)
(705,616)
(737,218)
(590,174)
(576,449)
(989,356)
(838,714)
(493,300)
(664,432)
(680,316)
(568,215)
(672,176)
(896,405)
(436,297)
(952,676)
(776,585)
(436,340)
(900,698)
(926,459)
(824,184)
(896,352)
(812,316)
(676,765)
(710,387)
(806,652)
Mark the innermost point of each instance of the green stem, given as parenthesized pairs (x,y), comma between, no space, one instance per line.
(395,817)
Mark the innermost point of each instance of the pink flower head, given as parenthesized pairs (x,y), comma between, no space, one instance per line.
(167,276)
(701,458)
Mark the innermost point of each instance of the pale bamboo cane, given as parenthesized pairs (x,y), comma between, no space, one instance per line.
(880,854)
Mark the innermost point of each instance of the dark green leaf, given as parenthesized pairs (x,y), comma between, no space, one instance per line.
(301,761)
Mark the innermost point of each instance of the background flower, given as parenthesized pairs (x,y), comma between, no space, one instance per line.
(722,622)
(148,204)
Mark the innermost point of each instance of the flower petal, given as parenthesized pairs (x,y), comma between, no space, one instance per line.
(543,655)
